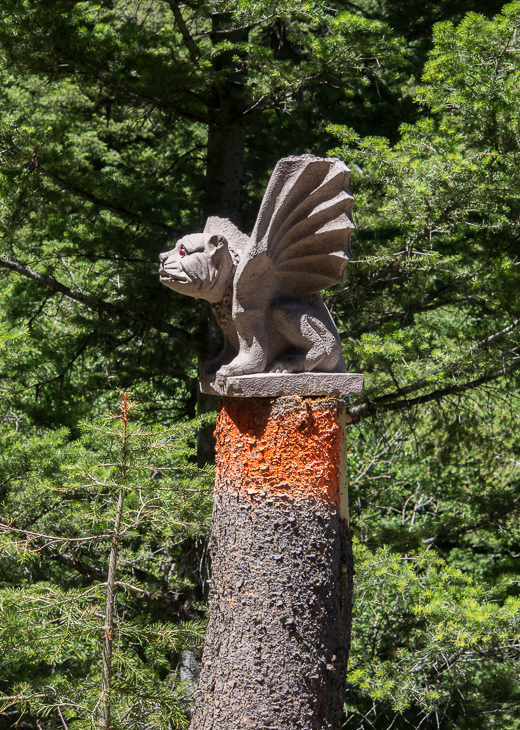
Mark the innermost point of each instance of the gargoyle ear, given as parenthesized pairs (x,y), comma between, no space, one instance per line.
(216,242)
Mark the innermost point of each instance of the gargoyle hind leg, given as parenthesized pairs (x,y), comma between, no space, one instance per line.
(312,340)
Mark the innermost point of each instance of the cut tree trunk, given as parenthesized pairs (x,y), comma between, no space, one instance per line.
(276,650)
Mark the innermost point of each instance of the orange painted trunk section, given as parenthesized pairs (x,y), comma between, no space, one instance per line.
(293,453)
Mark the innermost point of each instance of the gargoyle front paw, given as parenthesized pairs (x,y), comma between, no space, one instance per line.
(226,371)
(239,366)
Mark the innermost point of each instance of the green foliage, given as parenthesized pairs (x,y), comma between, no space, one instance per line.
(433,647)
(107,111)
(438,225)
(432,316)
(60,510)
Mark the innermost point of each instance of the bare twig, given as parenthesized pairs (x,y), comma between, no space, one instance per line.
(496,335)
(186,36)
(106,669)
(62,719)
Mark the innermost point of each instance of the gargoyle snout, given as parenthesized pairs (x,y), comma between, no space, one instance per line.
(167,262)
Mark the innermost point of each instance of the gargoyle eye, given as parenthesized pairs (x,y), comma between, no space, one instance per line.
(182,251)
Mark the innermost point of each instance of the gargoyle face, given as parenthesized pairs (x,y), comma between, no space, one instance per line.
(197,266)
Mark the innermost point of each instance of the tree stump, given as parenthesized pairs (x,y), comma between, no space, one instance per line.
(277,644)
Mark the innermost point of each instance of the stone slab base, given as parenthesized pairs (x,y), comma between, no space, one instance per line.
(277,385)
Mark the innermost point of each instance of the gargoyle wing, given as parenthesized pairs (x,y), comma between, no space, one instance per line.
(301,240)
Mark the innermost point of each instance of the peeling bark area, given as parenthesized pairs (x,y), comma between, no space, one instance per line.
(277,644)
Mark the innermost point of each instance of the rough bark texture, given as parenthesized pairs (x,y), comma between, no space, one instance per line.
(227,127)
(277,644)
(224,174)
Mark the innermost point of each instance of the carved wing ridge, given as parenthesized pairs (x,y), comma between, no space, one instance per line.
(303,228)
(321,204)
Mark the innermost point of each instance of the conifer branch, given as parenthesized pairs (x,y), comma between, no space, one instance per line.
(389,267)
(174,605)
(187,38)
(388,402)
(496,335)
(492,518)
(428,304)
(97,305)
(161,103)
(105,205)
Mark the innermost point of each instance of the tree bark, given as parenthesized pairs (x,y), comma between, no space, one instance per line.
(280,605)
(224,176)
(227,128)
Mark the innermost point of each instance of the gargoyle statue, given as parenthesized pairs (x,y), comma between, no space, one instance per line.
(265,289)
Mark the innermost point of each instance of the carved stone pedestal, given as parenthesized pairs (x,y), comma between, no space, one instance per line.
(276,651)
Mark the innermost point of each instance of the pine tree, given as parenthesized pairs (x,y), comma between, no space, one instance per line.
(101,648)
(432,317)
